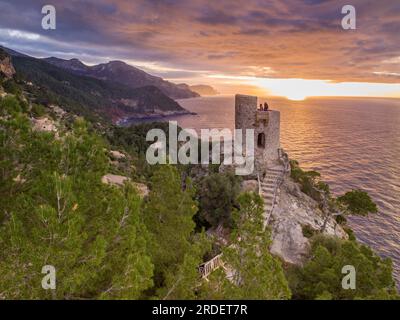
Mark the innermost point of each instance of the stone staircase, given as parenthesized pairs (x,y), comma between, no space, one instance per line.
(268,190)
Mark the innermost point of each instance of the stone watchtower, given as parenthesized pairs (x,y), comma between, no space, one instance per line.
(266,125)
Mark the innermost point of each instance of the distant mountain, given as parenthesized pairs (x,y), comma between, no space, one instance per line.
(128,75)
(72,65)
(88,96)
(204,90)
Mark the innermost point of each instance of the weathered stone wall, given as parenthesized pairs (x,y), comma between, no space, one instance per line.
(272,141)
(245,111)
(267,122)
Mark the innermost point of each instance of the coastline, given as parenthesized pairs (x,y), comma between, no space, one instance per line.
(146,117)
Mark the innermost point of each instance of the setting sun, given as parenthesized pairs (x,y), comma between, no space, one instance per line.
(296,97)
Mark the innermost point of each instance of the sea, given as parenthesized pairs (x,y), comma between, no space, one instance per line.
(353,142)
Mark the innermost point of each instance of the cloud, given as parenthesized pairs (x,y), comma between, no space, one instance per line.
(294,39)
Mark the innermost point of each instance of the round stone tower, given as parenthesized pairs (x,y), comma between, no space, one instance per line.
(266,125)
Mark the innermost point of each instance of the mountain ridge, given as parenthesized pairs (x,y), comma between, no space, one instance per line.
(121,72)
(88,96)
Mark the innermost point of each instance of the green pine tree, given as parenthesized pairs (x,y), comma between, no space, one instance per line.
(168,215)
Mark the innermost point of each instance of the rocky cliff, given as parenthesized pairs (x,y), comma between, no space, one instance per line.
(6,67)
(295,215)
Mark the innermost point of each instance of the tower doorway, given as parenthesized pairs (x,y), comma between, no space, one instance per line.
(261,140)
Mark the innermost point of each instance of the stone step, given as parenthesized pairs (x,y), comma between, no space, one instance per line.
(268,185)
(272,174)
(269,181)
(278,171)
(267,193)
(268,189)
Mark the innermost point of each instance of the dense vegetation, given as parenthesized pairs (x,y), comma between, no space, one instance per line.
(218,194)
(56,211)
(109,242)
(104,241)
(321,277)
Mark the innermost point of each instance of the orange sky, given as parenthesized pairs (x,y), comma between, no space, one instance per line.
(294,48)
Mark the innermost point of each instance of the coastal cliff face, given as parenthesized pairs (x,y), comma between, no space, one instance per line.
(294,212)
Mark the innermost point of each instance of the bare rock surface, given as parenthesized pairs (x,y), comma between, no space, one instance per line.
(6,67)
(295,210)
(117,154)
(119,181)
(44,124)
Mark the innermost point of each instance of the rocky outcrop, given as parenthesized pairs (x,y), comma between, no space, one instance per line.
(117,155)
(44,124)
(119,181)
(295,211)
(114,179)
(6,67)
(58,111)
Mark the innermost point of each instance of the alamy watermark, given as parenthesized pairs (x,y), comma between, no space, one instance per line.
(49,20)
(236,150)
(349,20)
(349,280)
(49,280)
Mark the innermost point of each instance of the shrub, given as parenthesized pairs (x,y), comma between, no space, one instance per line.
(321,277)
(38,110)
(217,196)
(308,232)
(358,202)
(10,86)
(9,105)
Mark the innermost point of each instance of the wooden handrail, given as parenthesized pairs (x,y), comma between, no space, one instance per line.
(207,267)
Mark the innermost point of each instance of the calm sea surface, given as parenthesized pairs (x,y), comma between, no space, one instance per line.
(353,142)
